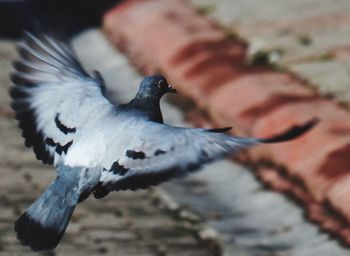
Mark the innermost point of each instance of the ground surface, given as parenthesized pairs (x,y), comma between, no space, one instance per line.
(249,219)
(307,37)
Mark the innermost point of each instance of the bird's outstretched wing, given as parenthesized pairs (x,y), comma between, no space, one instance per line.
(154,153)
(54,96)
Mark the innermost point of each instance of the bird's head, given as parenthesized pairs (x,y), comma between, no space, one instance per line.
(154,86)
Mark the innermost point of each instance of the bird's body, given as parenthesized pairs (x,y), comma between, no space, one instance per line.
(98,147)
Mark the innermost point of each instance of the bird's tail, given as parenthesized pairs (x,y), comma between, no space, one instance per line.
(43,224)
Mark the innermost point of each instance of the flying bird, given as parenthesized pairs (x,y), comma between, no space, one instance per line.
(96,146)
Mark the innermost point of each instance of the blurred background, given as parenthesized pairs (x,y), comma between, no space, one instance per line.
(260,66)
(69,16)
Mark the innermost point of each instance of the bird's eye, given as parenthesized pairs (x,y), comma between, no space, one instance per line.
(161,84)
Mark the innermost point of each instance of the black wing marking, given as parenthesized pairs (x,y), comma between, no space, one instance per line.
(162,152)
(49,82)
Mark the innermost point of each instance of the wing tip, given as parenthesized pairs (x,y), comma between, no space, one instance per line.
(293,132)
(219,130)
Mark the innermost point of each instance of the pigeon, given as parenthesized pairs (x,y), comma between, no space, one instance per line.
(97,146)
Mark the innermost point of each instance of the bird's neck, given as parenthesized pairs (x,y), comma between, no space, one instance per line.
(149,106)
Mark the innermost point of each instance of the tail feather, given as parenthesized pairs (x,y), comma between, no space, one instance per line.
(43,224)
(32,233)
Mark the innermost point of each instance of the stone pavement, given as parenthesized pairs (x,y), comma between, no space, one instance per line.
(125,223)
(307,37)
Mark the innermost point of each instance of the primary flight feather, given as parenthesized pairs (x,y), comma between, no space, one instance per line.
(98,147)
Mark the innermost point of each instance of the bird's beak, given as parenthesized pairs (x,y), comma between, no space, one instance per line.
(171,89)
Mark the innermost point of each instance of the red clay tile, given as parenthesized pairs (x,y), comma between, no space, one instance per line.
(338,196)
(255,94)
